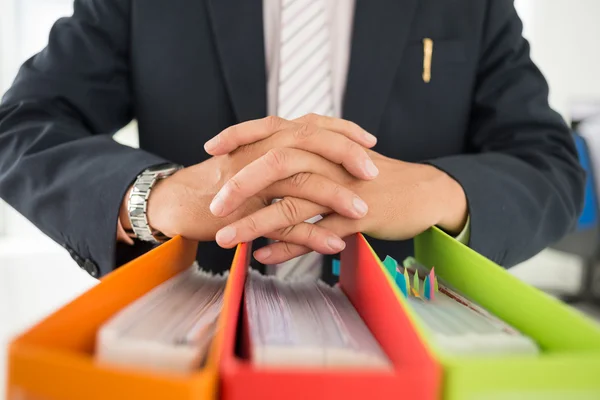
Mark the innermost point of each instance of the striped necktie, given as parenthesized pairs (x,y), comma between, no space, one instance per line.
(305,83)
(305,86)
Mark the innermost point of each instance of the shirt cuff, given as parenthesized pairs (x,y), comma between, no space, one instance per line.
(465,235)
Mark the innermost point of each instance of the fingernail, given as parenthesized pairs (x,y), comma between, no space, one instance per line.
(217,205)
(263,254)
(211,144)
(360,206)
(226,235)
(370,139)
(370,168)
(336,244)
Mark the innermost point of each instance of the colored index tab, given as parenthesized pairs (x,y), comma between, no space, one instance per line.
(391,265)
(402,284)
(335,267)
(433,282)
(427,289)
(416,281)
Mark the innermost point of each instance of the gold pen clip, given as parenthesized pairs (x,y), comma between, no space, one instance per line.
(427,54)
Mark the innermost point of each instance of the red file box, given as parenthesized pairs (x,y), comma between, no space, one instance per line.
(415,374)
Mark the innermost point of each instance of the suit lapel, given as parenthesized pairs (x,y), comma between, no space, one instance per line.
(238,29)
(381,28)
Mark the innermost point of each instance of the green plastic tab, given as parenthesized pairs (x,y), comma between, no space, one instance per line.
(391,265)
(416,281)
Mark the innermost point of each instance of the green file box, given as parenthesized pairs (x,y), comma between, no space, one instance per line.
(568,367)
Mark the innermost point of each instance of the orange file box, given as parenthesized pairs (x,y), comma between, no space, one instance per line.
(415,374)
(55,359)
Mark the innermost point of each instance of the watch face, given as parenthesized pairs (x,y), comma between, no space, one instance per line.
(163,168)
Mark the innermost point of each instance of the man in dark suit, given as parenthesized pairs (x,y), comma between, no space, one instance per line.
(465,138)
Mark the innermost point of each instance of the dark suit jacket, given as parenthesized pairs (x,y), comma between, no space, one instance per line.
(186,69)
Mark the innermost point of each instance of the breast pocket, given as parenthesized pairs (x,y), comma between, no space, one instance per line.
(436,111)
(450,77)
(445,57)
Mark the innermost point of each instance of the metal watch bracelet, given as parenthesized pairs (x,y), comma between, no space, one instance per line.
(137,202)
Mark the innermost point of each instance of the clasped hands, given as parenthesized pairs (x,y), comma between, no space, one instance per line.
(315,165)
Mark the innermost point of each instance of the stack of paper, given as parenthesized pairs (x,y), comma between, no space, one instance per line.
(459,329)
(457,324)
(307,323)
(168,329)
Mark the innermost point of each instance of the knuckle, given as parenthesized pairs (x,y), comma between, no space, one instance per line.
(286,232)
(252,225)
(287,249)
(299,180)
(289,210)
(275,159)
(304,130)
(311,232)
(312,118)
(272,123)
(234,185)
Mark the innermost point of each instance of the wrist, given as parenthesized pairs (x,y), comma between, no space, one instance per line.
(138,201)
(123,224)
(454,210)
(158,206)
(123,213)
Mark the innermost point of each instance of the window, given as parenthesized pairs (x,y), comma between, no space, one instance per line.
(24,28)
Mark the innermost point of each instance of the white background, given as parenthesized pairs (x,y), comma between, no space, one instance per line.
(36,276)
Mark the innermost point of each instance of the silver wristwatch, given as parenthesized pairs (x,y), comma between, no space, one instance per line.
(137,203)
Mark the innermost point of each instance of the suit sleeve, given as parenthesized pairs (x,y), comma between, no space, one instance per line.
(521,176)
(59,165)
